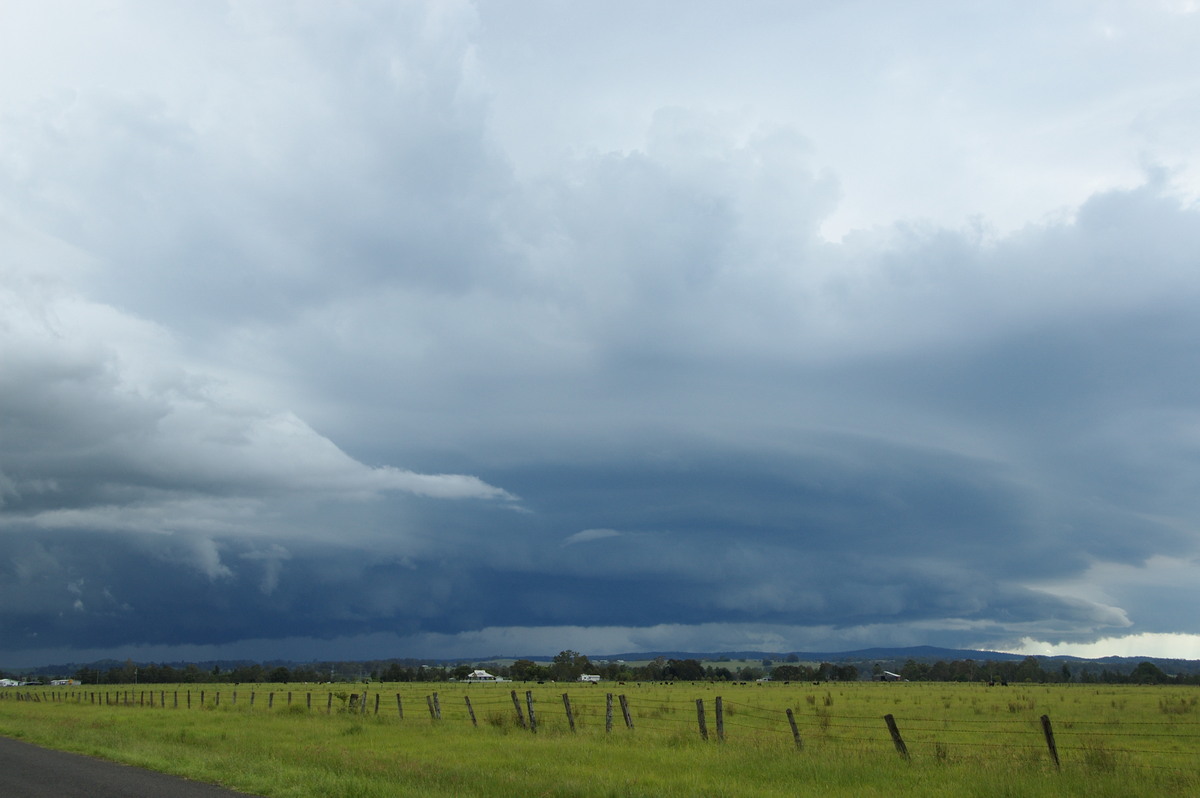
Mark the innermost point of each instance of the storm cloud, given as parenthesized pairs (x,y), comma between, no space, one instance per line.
(436,329)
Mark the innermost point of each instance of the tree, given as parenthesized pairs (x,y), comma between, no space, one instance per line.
(791,673)
(1029,671)
(749,673)
(845,673)
(685,670)
(524,670)
(719,674)
(568,665)
(1147,673)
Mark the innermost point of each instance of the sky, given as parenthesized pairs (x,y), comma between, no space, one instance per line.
(446,329)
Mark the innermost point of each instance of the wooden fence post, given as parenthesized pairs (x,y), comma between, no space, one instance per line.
(437,707)
(532,717)
(289,692)
(252,699)
(162,699)
(399,707)
(625,711)
(377,703)
(307,699)
(517,705)
(795,731)
(608,713)
(329,703)
(897,740)
(1049,732)
(570,715)
(720,720)
(700,719)
(429,703)
(470,711)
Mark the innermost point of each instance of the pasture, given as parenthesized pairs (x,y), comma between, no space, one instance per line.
(420,739)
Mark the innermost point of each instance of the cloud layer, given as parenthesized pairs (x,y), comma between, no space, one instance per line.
(434,329)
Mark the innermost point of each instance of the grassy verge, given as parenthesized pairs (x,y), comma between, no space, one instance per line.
(964,740)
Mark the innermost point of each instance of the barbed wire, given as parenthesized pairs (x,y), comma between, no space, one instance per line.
(816,725)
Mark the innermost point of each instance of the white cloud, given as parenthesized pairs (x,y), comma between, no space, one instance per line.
(112,424)
(591,534)
(1170,645)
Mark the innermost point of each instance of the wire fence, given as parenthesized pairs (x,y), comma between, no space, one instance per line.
(1172,742)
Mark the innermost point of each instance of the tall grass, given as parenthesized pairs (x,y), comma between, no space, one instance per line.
(964,740)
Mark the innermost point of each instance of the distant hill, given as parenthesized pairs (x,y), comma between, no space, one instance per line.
(889,658)
(918,653)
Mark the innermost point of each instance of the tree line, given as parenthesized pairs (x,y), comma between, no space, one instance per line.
(1030,669)
(568,665)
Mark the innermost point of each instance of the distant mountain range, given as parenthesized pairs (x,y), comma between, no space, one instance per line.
(891,658)
(918,653)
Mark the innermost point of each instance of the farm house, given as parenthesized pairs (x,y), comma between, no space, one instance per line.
(480,676)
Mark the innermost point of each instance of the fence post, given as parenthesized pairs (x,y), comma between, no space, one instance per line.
(162,699)
(329,703)
(437,707)
(897,740)
(1049,732)
(399,707)
(700,719)
(570,715)
(429,703)
(625,710)
(517,705)
(532,718)
(377,703)
(608,713)
(289,692)
(470,711)
(795,731)
(720,720)
(252,699)
(307,699)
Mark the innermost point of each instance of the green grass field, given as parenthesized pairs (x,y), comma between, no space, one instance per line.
(962,739)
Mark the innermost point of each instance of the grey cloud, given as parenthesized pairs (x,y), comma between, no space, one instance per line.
(258,319)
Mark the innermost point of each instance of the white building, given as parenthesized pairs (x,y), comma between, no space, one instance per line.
(589,677)
(480,676)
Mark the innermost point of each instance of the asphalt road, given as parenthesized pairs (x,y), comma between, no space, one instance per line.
(29,771)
